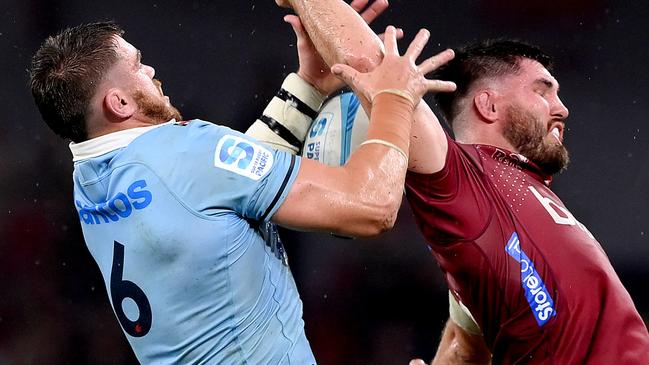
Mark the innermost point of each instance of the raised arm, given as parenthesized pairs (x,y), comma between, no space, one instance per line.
(362,198)
(288,116)
(342,36)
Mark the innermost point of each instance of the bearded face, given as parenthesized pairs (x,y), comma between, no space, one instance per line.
(156,109)
(534,139)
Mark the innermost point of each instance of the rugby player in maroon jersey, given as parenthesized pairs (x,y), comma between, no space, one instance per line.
(529,284)
(536,282)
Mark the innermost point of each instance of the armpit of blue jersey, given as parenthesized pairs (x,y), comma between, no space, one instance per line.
(176,221)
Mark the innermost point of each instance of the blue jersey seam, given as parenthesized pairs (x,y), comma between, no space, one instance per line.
(280,191)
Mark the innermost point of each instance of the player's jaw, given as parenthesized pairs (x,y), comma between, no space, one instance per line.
(156,108)
(540,142)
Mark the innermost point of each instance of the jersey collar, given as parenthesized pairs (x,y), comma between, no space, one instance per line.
(516,160)
(108,142)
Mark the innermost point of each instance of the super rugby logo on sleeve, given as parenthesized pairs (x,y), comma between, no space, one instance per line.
(242,157)
(536,293)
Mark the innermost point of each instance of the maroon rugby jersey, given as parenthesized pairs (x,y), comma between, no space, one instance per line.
(535,279)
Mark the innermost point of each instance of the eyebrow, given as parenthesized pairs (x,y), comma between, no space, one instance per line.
(138,57)
(547,83)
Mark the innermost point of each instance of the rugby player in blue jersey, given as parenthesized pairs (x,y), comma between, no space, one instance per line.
(177,214)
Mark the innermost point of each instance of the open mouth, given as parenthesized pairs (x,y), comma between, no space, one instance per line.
(556,131)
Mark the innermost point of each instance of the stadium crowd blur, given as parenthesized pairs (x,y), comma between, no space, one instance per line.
(379,301)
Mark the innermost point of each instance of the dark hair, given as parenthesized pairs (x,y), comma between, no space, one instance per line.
(65,72)
(485,59)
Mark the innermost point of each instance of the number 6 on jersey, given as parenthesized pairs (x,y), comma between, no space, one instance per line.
(122,289)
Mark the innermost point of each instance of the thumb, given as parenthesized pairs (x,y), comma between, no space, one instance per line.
(295,23)
(345,73)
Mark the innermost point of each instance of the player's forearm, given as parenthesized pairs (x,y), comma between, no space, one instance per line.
(387,144)
(286,120)
(458,347)
(339,33)
(428,143)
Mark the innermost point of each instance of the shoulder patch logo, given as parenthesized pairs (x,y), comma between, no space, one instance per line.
(242,157)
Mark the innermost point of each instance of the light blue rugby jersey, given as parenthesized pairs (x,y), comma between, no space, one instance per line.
(176,217)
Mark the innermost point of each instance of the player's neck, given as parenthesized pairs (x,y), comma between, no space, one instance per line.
(484,136)
(104,127)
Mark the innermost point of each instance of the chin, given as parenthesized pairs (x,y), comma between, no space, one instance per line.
(554,159)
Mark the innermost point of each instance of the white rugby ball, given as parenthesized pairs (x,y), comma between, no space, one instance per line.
(339,128)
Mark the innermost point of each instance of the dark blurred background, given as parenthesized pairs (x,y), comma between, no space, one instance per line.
(380,301)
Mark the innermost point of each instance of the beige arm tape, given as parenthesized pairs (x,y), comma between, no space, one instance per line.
(461,316)
(287,114)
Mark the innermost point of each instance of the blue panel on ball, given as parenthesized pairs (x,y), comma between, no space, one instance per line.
(349,104)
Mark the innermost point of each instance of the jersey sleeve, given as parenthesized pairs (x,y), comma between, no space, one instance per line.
(214,169)
(450,205)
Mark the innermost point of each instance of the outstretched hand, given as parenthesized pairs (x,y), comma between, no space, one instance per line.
(399,72)
(313,68)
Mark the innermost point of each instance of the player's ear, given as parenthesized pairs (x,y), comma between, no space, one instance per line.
(485,103)
(118,105)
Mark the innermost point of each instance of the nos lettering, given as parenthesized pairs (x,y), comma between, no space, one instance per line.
(118,207)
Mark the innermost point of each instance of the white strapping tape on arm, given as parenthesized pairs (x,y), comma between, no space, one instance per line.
(461,315)
(288,115)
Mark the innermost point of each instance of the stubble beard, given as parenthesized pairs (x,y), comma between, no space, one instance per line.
(157,111)
(529,136)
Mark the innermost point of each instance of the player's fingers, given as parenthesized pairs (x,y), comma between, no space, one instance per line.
(296,24)
(345,73)
(390,40)
(375,9)
(359,5)
(440,86)
(417,44)
(399,35)
(436,61)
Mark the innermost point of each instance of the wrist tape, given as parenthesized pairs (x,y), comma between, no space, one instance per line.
(288,116)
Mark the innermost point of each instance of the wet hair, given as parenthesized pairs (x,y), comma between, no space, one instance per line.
(65,73)
(486,59)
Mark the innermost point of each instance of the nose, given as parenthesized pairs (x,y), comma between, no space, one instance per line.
(150,71)
(559,110)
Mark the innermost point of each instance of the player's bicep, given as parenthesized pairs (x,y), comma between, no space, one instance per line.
(428,142)
(307,204)
(325,198)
